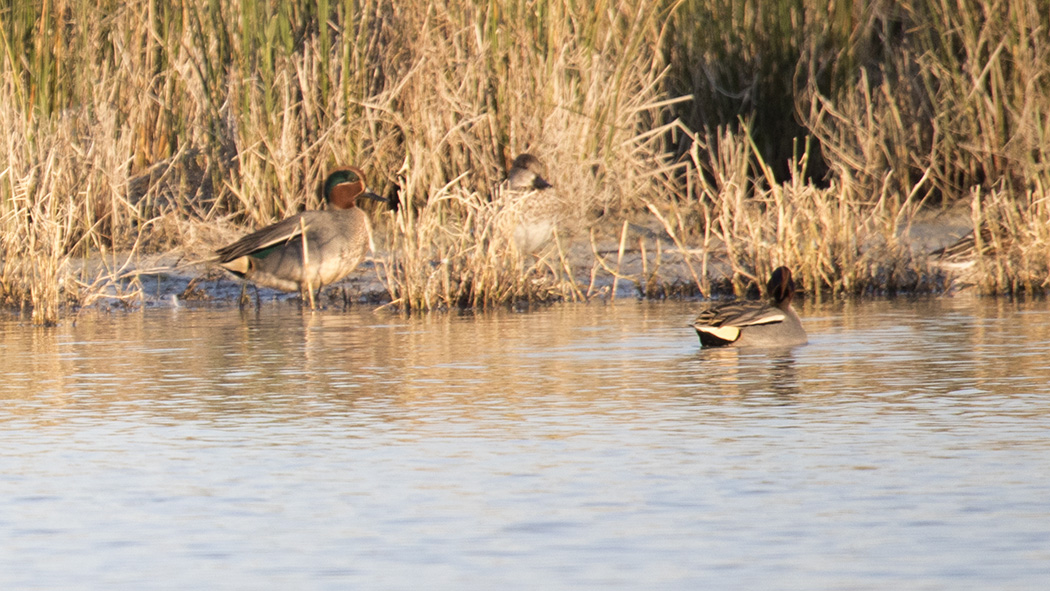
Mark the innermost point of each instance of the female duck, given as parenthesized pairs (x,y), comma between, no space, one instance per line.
(755,324)
(537,209)
(312,249)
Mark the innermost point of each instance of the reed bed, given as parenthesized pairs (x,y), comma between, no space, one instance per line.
(835,241)
(1015,253)
(459,252)
(910,106)
(811,135)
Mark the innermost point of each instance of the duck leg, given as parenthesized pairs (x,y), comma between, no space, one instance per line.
(306,266)
(243,299)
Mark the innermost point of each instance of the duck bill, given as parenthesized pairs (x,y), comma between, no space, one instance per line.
(391,202)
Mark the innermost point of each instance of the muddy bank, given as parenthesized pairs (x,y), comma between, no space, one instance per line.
(649,264)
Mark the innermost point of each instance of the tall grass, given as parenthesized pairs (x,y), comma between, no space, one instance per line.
(1016,254)
(577,88)
(458,251)
(130,125)
(958,100)
(911,105)
(232,113)
(834,241)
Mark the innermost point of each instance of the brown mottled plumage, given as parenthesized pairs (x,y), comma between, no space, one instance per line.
(963,253)
(537,208)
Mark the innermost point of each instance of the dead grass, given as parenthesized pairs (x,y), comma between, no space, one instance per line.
(458,251)
(1015,256)
(136,127)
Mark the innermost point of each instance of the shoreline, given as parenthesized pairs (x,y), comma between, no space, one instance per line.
(168,280)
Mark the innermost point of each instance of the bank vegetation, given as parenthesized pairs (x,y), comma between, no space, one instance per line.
(747,134)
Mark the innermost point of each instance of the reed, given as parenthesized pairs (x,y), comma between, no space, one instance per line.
(752,224)
(139,126)
(458,252)
(957,111)
(578,89)
(911,104)
(1015,253)
(957,104)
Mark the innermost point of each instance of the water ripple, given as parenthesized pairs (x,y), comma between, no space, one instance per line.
(588,446)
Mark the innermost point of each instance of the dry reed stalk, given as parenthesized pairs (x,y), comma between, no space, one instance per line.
(831,239)
(458,251)
(576,106)
(139,115)
(1013,255)
(952,112)
(264,108)
(614,271)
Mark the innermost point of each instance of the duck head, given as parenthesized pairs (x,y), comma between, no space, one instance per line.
(526,173)
(344,186)
(781,286)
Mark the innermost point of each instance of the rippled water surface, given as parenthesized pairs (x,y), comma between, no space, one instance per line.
(584,446)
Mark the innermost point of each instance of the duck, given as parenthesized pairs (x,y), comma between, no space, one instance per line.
(536,213)
(312,249)
(753,323)
(526,174)
(963,253)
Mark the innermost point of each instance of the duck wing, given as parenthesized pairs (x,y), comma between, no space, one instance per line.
(720,324)
(738,314)
(965,249)
(283,231)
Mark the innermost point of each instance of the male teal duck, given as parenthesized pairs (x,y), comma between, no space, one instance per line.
(312,249)
(537,212)
(754,324)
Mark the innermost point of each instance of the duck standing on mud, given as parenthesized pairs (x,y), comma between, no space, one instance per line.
(755,324)
(312,249)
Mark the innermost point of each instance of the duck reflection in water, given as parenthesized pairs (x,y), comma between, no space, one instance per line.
(750,373)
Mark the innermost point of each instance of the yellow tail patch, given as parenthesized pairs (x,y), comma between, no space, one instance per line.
(726,333)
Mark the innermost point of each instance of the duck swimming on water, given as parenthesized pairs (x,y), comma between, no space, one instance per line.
(751,323)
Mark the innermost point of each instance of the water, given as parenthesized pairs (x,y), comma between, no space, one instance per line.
(583,446)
